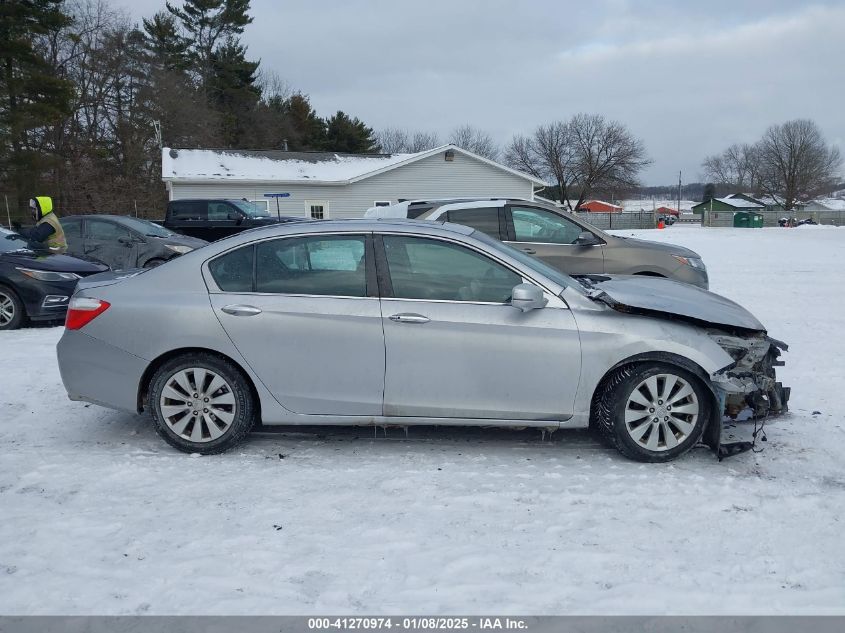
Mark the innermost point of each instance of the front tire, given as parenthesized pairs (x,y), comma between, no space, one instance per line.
(652,412)
(12,311)
(155,262)
(201,403)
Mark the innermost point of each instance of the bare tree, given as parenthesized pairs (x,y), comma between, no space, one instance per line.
(796,162)
(737,166)
(586,153)
(421,141)
(392,140)
(397,141)
(476,141)
(272,86)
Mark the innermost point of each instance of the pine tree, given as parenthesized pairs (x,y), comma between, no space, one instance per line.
(32,97)
(166,48)
(308,130)
(232,90)
(348,135)
(208,24)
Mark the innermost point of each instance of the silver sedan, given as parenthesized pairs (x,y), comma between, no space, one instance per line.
(368,322)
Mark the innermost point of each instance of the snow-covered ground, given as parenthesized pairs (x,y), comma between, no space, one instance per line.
(98,516)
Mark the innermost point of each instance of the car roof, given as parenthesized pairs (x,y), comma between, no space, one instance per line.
(354,224)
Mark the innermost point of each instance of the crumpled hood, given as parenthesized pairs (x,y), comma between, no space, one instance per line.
(634,293)
(659,246)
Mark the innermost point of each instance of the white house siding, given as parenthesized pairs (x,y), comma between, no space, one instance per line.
(431,177)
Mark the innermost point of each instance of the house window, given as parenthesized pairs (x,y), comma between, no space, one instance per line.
(264,205)
(382,203)
(317,209)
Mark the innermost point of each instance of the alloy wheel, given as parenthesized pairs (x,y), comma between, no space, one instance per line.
(197,404)
(7,309)
(661,412)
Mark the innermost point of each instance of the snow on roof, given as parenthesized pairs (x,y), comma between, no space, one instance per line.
(834,204)
(649,204)
(740,203)
(295,167)
(601,202)
(205,164)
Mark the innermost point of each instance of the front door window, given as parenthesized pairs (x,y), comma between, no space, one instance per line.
(423,268)
(537,225)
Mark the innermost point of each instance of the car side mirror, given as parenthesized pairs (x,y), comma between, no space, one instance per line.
(236,217)
(125,240)
(585,238)
(528,297)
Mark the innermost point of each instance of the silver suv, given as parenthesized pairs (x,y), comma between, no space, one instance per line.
(560,239)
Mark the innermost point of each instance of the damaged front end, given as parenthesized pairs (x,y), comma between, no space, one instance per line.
(748,388)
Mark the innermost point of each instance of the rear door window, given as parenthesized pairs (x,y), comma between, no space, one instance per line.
(72,228)
(320,265)
(485,220)
(188,210)
(106,231)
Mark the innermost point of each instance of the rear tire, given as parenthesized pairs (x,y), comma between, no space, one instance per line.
(12,311)
(651,412)
(201,403)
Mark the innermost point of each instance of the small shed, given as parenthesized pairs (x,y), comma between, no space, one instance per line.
(721,211)
(748,220)
(599,206)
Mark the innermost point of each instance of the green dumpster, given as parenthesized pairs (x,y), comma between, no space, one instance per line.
(748,220)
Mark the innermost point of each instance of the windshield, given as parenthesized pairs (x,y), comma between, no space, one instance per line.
(531,262)
(146,227)
(252,210)
(10,241)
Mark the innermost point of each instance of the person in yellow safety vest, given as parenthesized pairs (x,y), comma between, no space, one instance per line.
(47,230)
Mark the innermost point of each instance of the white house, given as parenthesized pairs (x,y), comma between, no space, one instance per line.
(330,185)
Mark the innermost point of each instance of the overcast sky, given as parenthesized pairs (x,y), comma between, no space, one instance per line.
(689,78)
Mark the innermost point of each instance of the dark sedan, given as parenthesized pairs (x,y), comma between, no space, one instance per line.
(36,285)
(123,242)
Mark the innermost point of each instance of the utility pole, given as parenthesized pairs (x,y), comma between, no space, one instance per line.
(679,194)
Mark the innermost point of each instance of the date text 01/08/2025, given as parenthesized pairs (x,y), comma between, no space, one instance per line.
(417,623)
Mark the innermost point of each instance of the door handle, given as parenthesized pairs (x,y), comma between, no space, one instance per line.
(409,317)
(530,251)
(241,310)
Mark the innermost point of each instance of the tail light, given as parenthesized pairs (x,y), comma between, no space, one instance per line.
(82,310)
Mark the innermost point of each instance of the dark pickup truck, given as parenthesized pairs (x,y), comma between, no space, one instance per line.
(213,219)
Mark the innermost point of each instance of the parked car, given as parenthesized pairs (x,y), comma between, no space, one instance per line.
(213,219)
(36,285)
(123,242)
(561,239)
(409,322)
